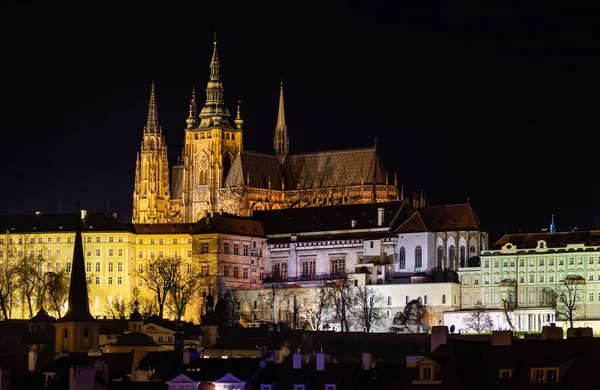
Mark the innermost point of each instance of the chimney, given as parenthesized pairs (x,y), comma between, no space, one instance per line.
(367,359)
(552,332)
(502,337)
(353,223)
(297,359)
(380,214)
(320,361)
(83,214)
(439,336)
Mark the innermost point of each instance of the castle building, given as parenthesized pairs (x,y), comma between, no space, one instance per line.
(215,173)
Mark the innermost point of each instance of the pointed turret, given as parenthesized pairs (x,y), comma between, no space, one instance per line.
(280,140)
(192,119)
(79,307)
(238,119)
(214,112)
(152,121)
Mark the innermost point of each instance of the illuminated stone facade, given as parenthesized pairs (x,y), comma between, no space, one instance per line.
(214,173)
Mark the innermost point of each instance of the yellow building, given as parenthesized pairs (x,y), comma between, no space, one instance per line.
(227,252)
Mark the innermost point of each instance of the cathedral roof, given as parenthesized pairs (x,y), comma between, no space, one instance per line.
(337,168)
(440,219)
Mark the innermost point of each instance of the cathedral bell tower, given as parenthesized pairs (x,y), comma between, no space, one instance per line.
(151,195)
(211,145)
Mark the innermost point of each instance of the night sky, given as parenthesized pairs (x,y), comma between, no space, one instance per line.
(499,105)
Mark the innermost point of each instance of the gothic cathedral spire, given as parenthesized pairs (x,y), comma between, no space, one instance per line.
(214,113)
(151,195)
(280,141)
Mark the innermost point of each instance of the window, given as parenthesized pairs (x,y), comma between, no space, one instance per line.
(444,298)
(160,254)
(591,297)
(189,268)
(541,262)
(551,279)
(486,279)
(541,278)
(402,258)
(476,280)
(110,266)
(496,279)
(57,253)
(110,278)
(120,280)
(98,252)
(141,241)
(49,240)
(486,298)
(152,241)
(337,266)
(204,270)
(371,244)
(308,268)
(140,282)
(236,249)
(120,266)
(161,241)
(561,261)
(57,265)
(465,299)
(426,299)
(140,255)
(226,270)
(245,272)
(531,278)
(505,373)
(189,254)
(97,279)
(236,272)
(426,373)
(580,260)
(418,257)
(591,277)
(466,280)
(486,264)
(521,263)
(97,239)
(280,270)
(97,266)
(463,255)
(329,387)
(551,261)
(544,375)
(451,256)
(151,254)
(140,268)
(571,260)
(120,252)
(175,241)
(246,250)
(496,299)
(472,250)
(69,266)
(204,247)
(440,256)
(89,253)
(531,297)
(88,267)
(226,248)
(496,264)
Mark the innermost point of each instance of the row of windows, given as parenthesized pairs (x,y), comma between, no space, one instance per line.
(160,254)
(440,256)
(40,253)
(31,240)
(110,280)
(236,269)
(161,241)
(542,261)
(88,266)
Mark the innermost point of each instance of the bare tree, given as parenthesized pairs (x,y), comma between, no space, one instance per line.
(184,287)
(273,297)
(9,277)
(57,290)
(341,294)
(314,307)
(159,276)
(368,312)
(31,281)
(414,316)
(567,300)
(118,309)
(506,306)
(479,320)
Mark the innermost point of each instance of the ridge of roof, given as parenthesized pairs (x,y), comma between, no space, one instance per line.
(365,149)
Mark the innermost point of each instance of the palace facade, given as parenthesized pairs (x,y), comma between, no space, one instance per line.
(215,174)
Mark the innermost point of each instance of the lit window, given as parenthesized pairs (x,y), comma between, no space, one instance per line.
(161,241)
(426,373)
(418,257)
(110,266)
(402,258)
(97,279)
(69,266)
(120,280)
(189,254)
(110,280)
(97,252)
(110,239)
(120,266)
(97,239)
(175,241)
(120,252)
(88,267)
(57,265)
(97,266)
(110,252)
(505,374)
(140,255)
(544,375)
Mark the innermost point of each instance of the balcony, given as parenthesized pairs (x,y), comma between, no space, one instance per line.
(296,279)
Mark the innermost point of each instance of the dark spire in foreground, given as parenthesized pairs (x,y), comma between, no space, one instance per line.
(79,306)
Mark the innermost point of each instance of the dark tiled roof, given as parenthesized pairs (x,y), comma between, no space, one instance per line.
(113,326)
(337,168)
(440,219)
(229,224)
(162,228)
(41,223)
(135,339)
(553,240)
(328,218)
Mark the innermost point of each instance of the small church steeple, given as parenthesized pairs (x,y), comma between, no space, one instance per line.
(77,330)
(238,119)
(214,112)
(280,141)
(152,120)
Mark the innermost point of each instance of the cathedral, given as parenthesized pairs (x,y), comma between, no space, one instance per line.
(215,174)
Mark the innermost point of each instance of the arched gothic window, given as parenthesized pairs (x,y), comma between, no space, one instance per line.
(451,257)
(472,251)
(463,255)
(440,256)
(418,257)
(402,258)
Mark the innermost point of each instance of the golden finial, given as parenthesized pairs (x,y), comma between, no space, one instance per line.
(238,120)
(215,39)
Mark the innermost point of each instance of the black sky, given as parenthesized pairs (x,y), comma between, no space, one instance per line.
(495,104)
